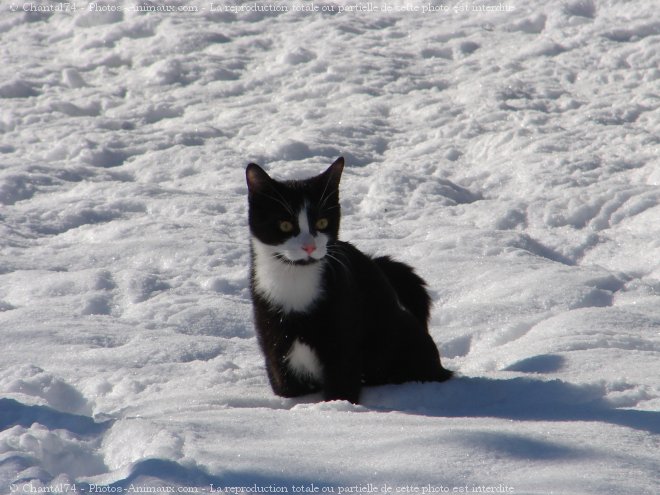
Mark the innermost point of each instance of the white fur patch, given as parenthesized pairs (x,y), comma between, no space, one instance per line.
(303,222)
(290,287)
(303,361)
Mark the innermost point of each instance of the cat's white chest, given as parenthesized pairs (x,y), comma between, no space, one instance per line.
(303,361)
(289,287)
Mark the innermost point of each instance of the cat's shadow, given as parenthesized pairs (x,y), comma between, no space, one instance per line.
(519,398)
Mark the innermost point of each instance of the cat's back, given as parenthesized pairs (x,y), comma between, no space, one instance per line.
(381,284)
(359,272)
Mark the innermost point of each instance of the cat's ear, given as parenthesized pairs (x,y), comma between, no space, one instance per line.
(333,174)
(257,178)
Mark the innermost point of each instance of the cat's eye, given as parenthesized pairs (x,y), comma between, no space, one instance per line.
(322,223)
(286,226)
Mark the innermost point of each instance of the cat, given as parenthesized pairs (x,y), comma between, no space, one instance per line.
(328,317)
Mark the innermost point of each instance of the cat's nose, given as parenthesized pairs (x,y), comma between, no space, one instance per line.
(309,248)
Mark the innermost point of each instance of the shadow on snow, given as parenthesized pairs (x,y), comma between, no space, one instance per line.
(523,399)
(14,413)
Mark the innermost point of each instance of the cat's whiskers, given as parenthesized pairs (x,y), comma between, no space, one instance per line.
(324,198)
(335,255)
(287,206)
(282,202)
(331,265)
(341,263)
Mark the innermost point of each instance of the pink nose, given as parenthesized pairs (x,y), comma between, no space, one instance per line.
(309,248)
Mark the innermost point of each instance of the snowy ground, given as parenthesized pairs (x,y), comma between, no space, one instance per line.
(512,157)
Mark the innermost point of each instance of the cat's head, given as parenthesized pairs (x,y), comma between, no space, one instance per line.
(294,221)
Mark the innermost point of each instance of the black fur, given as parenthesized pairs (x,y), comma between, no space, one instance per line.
(370,325)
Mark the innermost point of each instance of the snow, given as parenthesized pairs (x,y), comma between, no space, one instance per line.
(511,156)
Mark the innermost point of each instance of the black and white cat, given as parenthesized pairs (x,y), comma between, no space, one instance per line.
(328,316)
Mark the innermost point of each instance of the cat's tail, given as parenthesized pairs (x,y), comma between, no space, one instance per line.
(410,288)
